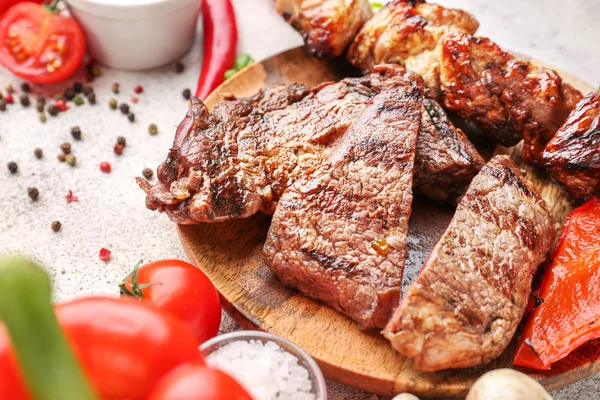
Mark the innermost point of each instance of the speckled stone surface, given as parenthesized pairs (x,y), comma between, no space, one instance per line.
(110,211)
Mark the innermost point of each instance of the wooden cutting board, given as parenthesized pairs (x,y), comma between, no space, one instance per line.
(230,254)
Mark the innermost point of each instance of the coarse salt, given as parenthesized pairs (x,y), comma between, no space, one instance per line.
(266,370)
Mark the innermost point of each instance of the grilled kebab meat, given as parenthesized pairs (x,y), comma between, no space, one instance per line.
(408,33)
(339,234)
(239,159)
(465,305)
(572,157)
(327,26)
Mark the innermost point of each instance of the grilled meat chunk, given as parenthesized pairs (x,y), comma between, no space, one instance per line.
(327,26)
(507,98)
(468,299)
(408,33)
(446,161)
(339,234)
(573,157)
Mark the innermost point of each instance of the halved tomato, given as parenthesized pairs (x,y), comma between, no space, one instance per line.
(39,45)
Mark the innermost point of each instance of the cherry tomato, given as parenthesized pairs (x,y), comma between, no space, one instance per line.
(181,289)
(6,4)
(40,46)
(124,346)
(198,382)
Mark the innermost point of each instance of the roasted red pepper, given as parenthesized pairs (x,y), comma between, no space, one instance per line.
(220,43)
(569,313)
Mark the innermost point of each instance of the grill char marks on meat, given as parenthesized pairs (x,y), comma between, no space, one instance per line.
(446,161)
(572,157)
(327,26)
(238,160)
(468,299)
(339,234)
(507,98)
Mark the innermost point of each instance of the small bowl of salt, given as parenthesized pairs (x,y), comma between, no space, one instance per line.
(268,366)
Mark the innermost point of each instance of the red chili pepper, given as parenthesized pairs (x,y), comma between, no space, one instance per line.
(104,254)
(568,311)
(71,197)
(220,43)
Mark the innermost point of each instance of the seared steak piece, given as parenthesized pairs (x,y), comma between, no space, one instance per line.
(446,161)
(327,26)
(238,160)
(408,33)
(339,234)
(573,157)
(468,299)
(507,98)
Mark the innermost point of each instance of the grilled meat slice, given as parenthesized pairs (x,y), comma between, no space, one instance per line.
(446,161)
(327,26)
(339,234)
(408,33)
(573,157)
(468,299)
(507,98)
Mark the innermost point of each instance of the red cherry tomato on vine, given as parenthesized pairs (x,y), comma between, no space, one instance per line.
(39,45)
(198,382)
(181,289)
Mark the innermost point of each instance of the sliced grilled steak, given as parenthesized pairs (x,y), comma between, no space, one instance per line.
(466,303)
(339,234)
(572,157)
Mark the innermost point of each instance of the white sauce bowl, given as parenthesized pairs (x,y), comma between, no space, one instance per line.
(136,34)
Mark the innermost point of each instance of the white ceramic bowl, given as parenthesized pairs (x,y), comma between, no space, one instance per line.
(136,34)
(319,388)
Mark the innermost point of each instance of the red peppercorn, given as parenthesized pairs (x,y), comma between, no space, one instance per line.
(134,100)
(61,105)
(118,149)
(138,89)
(70,197)
(9,98)
(105,167)
(104,254)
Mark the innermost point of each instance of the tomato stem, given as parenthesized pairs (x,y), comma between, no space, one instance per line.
(51,6)
(136,287)
(45,358)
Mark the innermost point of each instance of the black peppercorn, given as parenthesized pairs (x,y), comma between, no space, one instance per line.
(122,141)
(41,99)
(2,105)
(13,167)
(76,133)
(124,107)
(87,90)
(91,98)
(38,153)
(25,87)
(33,193)
(179,67)
(78,87)
(187,94)
(148,173)
(66,148)
(69,94)
(131,117)
(56,227)
(24,99)
(52,110)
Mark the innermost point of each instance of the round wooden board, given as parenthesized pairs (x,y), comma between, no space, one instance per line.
(230,254)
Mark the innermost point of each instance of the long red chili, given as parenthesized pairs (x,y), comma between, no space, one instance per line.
(220,43)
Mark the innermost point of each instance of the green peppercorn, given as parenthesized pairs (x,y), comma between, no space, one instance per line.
(38,153)
(112,103)
(153,129)
(115,88)
(78,100)
(76,133)
(33,193)
(43,117)
(56,226)
(187,94)
(71,160)
(12,167)
(25,87)
(148,173)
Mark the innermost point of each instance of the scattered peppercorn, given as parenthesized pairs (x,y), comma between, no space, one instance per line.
(9,88)
(39,106)
(52,110)
(91,98)
(153,129)
(105,167)
(43,117)
(148,173)
(124,107)
(77,87)
(2,105)
(131,117)
(56,226)
(179,67)
(13,167)
(38,153)
(118,149)
(115,88)
(69,93)
(112,103)
(122,141)
(78,100)
(76,133)
(66,148)
(41,99)
(187,94)
(24,99)
(61,157)
(96,72)
(71,160)
(25,87)
(9,99)
(138,89)
(33,193)
(134,100)
(87,90)
(104,254)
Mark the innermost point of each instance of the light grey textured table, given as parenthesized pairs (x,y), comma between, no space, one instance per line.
(110,212)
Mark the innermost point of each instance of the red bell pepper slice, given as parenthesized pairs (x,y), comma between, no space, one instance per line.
(569,315)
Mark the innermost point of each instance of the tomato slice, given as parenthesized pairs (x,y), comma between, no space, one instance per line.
(40,46)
